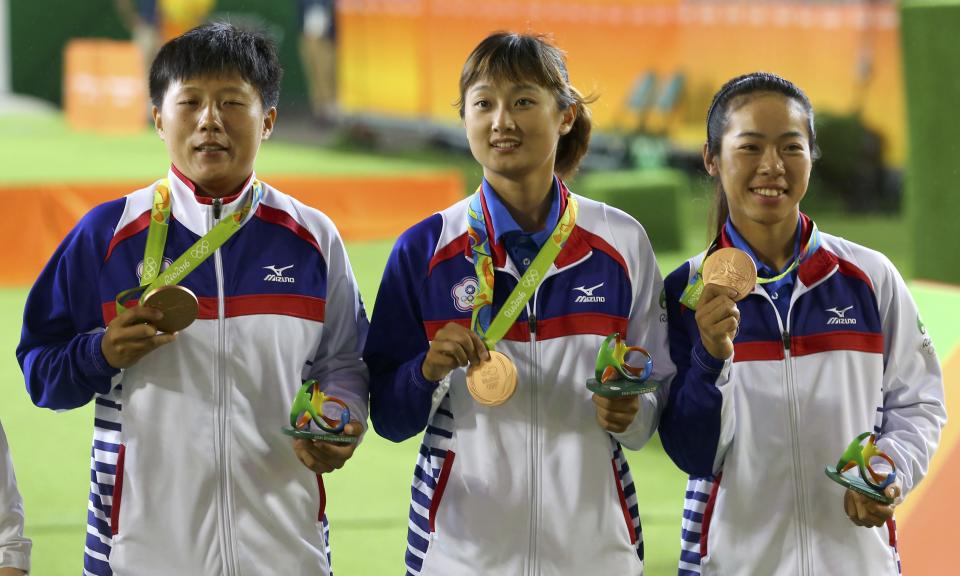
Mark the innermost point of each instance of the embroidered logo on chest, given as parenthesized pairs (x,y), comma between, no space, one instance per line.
(840,316)
(587,294)
(463,294)
(277,274)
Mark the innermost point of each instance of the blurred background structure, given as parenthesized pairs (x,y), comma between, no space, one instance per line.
(368,133)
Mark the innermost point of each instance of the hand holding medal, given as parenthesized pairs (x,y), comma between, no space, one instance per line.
(732,268)
(178,304)
(726,276)
(493,382)
(158,288)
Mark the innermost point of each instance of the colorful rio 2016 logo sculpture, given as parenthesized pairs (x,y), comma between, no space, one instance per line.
(868,482)
(306,412)
(614,377)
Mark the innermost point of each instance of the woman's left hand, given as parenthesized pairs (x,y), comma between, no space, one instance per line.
(616,414)
(324,457)
(864,511)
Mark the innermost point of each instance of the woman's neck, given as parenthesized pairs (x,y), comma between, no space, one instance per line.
(213,189)
(772,243)
(528,200)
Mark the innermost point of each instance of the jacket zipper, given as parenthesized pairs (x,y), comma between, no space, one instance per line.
(535,439)
(220,394)
(792,404)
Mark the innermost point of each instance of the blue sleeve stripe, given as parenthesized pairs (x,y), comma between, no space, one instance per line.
(106,446)
(693,515)
(700,496)
(689,557)
(439,431)
(690,536)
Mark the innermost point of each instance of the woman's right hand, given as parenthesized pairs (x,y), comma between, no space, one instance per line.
(453,346)
(131,336)
(718,319)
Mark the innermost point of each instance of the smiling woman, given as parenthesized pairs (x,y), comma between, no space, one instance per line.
(773,384)
(486,329)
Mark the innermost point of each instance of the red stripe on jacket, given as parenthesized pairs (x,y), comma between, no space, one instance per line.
(547,329)
(306,307)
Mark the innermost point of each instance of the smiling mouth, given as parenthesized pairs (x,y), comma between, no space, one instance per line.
(768,192)
(505,145)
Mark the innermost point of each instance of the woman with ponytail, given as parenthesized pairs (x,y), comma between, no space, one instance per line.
(522,472)
(776,376)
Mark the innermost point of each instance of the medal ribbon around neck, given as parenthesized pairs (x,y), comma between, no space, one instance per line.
(195,255)
(691,294)
(491,331)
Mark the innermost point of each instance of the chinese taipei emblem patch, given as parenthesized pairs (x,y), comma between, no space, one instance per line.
(463,294)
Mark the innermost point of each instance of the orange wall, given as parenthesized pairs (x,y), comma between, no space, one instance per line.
(403,57)
(364,208)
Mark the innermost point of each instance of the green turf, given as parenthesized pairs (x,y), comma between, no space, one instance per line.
(369,497)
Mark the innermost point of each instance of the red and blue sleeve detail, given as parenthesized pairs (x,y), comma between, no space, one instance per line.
(690,423)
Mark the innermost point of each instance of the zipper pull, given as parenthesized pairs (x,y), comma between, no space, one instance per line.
(217,205)
(532,321)
(786,340)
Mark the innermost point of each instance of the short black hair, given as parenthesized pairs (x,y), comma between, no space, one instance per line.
(218,48)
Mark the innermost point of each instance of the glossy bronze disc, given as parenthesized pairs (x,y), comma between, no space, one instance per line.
(178,304)
(492,383)
(733,268)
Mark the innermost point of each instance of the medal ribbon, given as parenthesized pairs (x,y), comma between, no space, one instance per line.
(691,294)
(491,331)
(194,256)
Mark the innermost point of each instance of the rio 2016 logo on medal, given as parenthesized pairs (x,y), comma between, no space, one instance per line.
(493,382)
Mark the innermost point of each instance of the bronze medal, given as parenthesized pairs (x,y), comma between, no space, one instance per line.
(492,383)
(178,304)
(733,268)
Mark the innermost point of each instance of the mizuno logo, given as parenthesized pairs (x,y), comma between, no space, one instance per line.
(277,274)
(840,316)
(587,294)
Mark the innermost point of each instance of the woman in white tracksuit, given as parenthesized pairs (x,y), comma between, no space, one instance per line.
(539,484)
(14,548)
(771,389)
